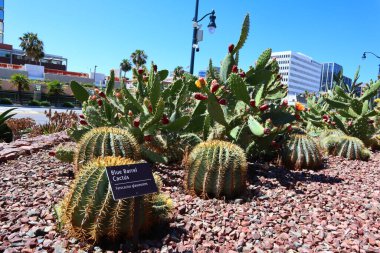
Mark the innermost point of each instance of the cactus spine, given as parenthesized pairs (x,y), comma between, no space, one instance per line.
(106,141)
(301,152)
(90,213)
(349,147)
(216,168)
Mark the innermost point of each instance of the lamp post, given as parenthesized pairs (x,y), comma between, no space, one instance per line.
(211,27)
(378,57)
(95,74)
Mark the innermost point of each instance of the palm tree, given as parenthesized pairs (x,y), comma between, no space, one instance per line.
(55,88)
(32,46)
(139,58)
(125,66)
(21,82)
(178,72)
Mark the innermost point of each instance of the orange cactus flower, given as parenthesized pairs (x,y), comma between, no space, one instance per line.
(200,83)
(299,106)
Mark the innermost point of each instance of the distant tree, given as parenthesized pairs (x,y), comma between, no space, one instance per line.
(125,66)
(178,72)
(32,46)
(21,82)
(55,88)
(139,58)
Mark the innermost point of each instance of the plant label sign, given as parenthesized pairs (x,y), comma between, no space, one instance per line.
(131,180)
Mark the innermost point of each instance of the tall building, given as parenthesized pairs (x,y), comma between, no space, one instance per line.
(300,72)
(329,70)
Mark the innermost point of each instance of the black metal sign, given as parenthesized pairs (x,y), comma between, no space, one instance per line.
(131,180)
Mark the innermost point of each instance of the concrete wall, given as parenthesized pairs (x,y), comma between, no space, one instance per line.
(7,73)
(67,79)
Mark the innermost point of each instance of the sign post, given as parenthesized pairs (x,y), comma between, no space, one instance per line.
(132,181)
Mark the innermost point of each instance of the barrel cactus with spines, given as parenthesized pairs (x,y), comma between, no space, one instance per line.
(301,152)
(327,135)
(89,211)
(349,147)
(215,169)
(106,141)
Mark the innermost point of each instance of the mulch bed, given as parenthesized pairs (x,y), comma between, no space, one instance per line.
(333,210)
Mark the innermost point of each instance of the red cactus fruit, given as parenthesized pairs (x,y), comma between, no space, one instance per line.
(101,94)
(155,68)
(371,121)
(267,131)
(285,103)
(150,108)
(93,97)
(298,117)
(242,74)
(164,120)
(148,138)
(140,71)
(100,102)
(199,96)
(136,122)
(83,122)
(81,116)
(222,101)
(289,128)
(235,69)
(252,103)
(52,153)
(231,48)
(214,87)
(118,95)
(264,107)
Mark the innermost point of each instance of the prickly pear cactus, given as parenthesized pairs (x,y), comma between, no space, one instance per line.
(301,152)
(349,147)
(106,141)
(89,212)
(215,169)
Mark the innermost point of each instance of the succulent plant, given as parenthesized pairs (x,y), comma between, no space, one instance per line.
(349,147)
(5,132)
(301,152)
(89,211)
(65,153)
(215,169)
(327,135)
(106,141)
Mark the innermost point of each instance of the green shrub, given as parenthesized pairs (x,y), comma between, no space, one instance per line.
(68,105)
(45,103)
(34,103)
(6,101)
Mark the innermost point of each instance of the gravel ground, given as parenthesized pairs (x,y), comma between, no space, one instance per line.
(333,210)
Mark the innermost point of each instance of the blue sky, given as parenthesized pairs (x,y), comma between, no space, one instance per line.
(102,33)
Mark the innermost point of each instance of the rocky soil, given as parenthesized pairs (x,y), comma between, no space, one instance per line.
(333,210)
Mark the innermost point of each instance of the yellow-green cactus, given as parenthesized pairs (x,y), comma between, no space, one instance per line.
(215,169)
(89,211)
(106,141)
(349,147)
(301,152)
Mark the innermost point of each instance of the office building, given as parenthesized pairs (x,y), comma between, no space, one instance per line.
(299,72)
(329,70)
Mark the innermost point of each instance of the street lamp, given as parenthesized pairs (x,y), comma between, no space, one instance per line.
(378,57)
(95,74)
(198,34)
